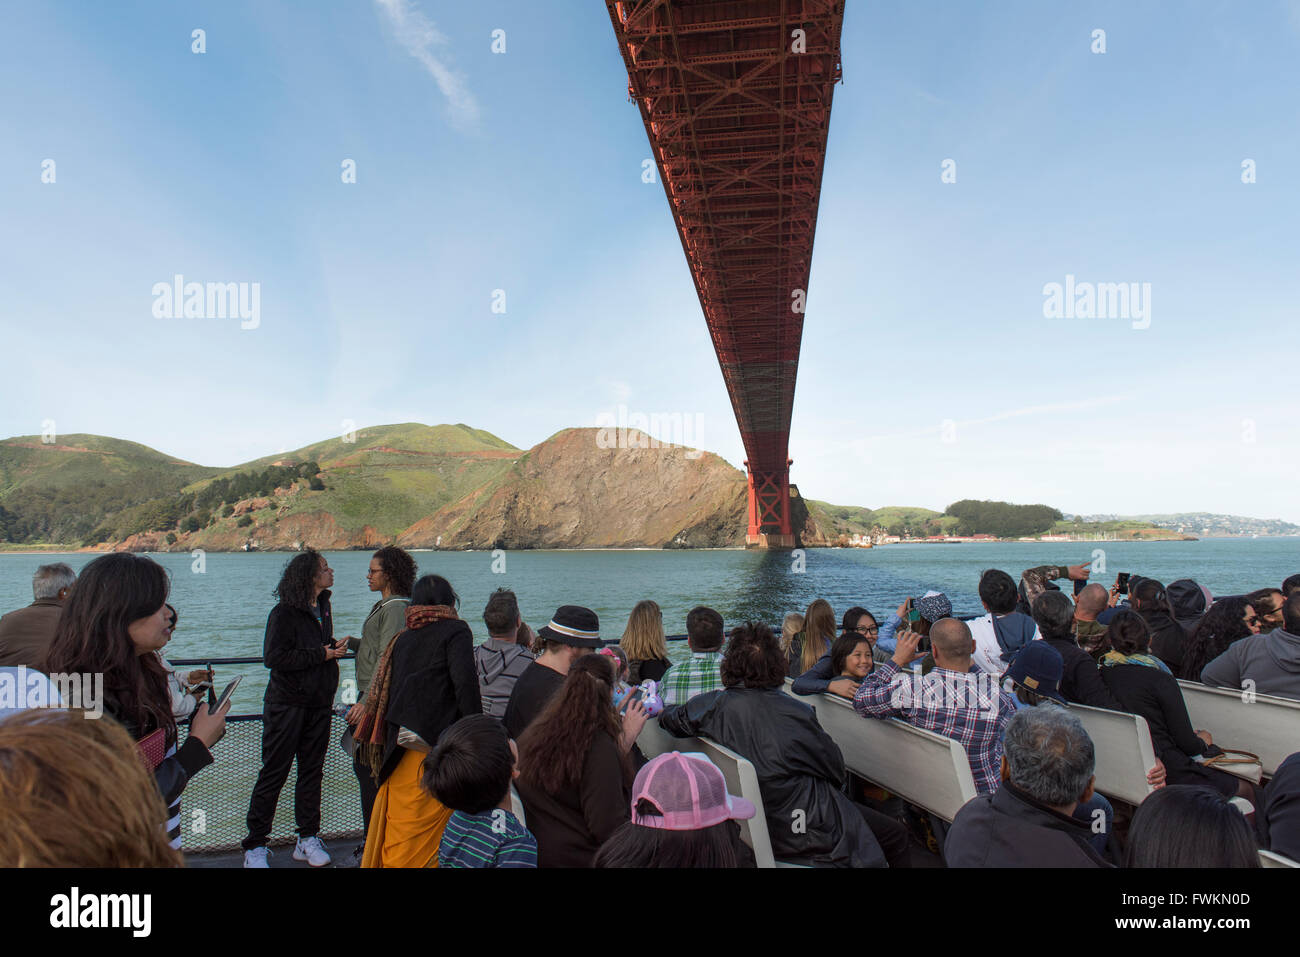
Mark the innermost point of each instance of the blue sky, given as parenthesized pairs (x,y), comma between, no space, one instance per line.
(928,370)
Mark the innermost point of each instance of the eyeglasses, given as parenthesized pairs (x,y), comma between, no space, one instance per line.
(871,630)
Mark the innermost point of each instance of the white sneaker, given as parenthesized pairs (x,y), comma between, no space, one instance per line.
(311,850)
(256,857)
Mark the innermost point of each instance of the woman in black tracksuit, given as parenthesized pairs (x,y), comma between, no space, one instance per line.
(300,650)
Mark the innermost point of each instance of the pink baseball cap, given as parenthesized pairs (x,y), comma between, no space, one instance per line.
(689,792)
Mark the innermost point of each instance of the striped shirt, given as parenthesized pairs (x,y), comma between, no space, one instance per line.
(494,838)
(174,814)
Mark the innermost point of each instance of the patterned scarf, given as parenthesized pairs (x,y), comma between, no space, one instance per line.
(372,732)
(1115,658)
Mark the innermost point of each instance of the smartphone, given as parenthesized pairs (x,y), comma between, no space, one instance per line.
(635,696)
(1121,582)
(214,707)
(924,644)
(212,688)
(913,614)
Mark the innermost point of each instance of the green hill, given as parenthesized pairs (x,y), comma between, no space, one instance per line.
(61,492)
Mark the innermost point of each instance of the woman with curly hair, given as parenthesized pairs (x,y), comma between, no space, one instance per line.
(1227,620)
(114,622)
(302,654)
(574,774)
(644,643)
(392,574)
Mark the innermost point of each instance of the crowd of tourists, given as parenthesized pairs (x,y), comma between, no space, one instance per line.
(521,750)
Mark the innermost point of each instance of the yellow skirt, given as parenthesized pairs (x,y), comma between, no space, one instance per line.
(406,824)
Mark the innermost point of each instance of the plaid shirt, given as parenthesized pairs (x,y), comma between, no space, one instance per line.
(696,676)
(969,708)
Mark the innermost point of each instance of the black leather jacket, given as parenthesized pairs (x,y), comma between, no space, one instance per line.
(800,772)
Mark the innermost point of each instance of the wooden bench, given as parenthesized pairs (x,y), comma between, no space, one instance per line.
(1122,744)
(927,769)
(742,780)
(1268,726)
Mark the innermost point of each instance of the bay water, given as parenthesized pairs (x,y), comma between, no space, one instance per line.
(223,598)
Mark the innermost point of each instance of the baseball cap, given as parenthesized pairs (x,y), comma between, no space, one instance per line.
(689,792)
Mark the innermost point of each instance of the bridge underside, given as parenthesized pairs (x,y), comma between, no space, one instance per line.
(736,101)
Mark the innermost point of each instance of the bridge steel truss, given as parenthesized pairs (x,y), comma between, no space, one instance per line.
(736,101)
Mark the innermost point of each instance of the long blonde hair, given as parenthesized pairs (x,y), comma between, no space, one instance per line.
(791,625)
(643,638)
(818,632)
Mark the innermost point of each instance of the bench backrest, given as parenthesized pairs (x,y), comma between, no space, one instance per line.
(1268,726)
(742,780)
(919,766)
(1122,743)
(1269,859)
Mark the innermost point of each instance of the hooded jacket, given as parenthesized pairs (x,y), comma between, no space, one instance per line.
(1168,639)
(499,664)
(998,639)
(1008,828)
(800,772)
(1271,660)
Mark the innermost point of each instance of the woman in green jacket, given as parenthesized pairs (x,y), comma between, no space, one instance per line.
(392,573)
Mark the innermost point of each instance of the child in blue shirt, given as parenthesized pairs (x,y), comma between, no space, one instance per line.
(470,772)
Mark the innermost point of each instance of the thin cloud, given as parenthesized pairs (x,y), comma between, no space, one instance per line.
(418,34)
(1051,409)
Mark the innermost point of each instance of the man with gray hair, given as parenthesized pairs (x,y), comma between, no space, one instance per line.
(1047,770)
(25,634)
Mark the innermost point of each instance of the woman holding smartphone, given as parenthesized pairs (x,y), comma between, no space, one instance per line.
(113,624)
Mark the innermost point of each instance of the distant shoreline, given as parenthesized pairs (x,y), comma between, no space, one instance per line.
(83,550)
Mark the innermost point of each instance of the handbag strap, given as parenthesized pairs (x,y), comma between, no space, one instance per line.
(1247,757)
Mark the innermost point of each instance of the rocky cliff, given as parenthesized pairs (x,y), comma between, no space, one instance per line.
(569,492)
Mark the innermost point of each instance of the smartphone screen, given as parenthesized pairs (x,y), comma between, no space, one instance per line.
(217,705)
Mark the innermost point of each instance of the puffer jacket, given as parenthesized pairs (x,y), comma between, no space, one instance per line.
(294,650)
(800,772)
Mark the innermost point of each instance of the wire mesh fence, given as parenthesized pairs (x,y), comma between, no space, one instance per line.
(214,805)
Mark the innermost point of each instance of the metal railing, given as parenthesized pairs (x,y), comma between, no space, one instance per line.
(214,805)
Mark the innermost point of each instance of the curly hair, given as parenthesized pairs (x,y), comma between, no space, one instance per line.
(1223,624)
(553,750)
(297,587)
(399,569)
(753,658)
